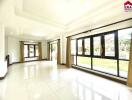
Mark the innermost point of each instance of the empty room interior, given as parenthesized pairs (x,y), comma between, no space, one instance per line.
(65,50)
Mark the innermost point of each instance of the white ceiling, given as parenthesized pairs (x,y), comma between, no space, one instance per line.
(59,11)
(46,19)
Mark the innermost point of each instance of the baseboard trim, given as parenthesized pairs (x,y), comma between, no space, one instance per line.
(35,60)
(44,59)
(16,62)
(27,61)
(1,78)
(63,64)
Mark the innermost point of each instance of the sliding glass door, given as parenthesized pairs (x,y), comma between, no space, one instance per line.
(53,52)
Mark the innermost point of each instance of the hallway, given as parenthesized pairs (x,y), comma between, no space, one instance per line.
(44,80)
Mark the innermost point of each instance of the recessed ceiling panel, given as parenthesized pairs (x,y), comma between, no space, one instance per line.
(61,11)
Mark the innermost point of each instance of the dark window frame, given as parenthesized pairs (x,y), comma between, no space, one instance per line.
(116,57)
(118,46)
(82,47)
(34,46)
(98,56)
(115,45)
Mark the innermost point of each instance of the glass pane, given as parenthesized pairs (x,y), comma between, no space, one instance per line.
(109,45)
(54,52)
(31,50)
(84,61)
(80,47)
(73,47)
(97,45)
(25,50)
(73,58)
(36,50)
(87,46)
(105,65)
(124,43)
(123,65)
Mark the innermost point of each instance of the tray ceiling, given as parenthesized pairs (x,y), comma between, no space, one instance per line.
(48,18)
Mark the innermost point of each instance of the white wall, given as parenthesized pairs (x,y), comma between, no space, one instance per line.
(102,16)
(3,63)
(6,45)
(2,43)
(63,48)
(44,50)
(13,48)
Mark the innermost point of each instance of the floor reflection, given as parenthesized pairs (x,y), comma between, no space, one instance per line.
(89,92)
(30,71)
(48,81)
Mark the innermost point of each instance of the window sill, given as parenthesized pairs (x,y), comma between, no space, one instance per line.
(104,75)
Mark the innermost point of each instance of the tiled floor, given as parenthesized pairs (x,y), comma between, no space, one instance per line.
(47,81)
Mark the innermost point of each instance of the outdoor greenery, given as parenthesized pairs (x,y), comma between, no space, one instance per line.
(104,63)
(108,44)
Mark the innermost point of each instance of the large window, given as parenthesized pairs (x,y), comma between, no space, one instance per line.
(105,65)
(30,50)
(124,43)
(80,47)
(123,68)
(84,61)
(25,50)
(87,46)
(110,45)
(124,37)
(107,52)
(97,46)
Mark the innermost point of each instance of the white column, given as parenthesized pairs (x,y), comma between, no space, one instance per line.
(44,49)
(3,64)
(63,48)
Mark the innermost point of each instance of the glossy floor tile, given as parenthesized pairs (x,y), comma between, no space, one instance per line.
(46,81)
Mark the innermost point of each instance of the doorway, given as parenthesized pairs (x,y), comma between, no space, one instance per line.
(53,52)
